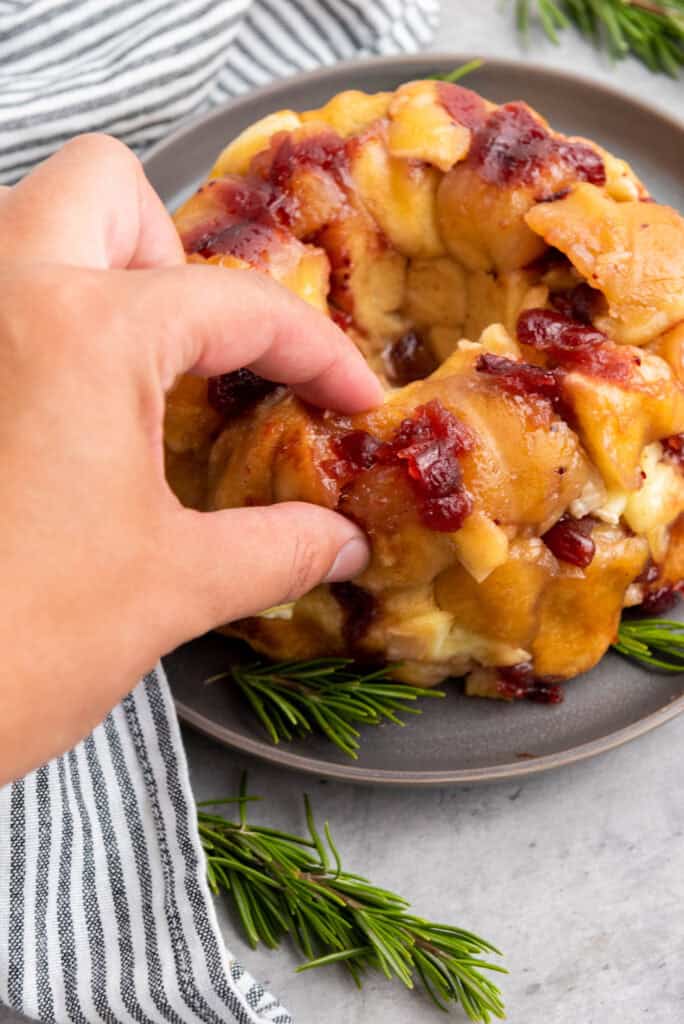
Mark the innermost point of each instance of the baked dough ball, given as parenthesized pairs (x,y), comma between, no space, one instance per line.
(522,300)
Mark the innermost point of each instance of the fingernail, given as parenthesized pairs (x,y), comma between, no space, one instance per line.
(352,558)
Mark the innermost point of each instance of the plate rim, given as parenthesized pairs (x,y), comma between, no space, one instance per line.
(395,777)
(187,126)
(341,772)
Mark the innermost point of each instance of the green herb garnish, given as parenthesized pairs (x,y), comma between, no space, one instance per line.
(652,30)
(333,696)
(458,73)
(328,695)
(289,885)
(658,643)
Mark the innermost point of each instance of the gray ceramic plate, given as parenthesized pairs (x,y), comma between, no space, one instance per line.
(454,740)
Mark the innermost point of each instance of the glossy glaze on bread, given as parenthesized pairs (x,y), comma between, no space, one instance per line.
(522,298)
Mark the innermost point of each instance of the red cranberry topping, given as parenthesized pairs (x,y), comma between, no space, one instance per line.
(448,513)
(556,333)
(518,682)
(663,599)
(248,241)
(649,574)
(573,345)
(578,304)
(431,436)
(462,105)
(275,166)
(432,466)
(674,448)
(325,150)
(520,378)
(550,259)
(432,421)
(513,148)
(410,359)
(359,449)
(341,317)
(231,394)
(427,445)
(262,201)
(359,608)
(585,161)
(553,197)
(570,541)
(242,203)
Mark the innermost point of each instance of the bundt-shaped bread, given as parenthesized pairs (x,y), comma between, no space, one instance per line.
(522,298)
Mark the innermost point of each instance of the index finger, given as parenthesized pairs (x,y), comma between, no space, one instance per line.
(212,320)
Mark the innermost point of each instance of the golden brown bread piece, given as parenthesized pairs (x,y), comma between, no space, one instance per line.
(523,301)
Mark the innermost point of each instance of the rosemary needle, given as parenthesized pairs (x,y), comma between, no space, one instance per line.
(658,643)
(652,30)
(334,696)
(283,884)
(327,695)
(459,72)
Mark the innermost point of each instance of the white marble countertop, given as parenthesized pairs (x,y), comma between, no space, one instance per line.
(577,875)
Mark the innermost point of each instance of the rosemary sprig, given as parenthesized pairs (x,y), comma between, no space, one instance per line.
(459,72)
(658,643)
(333,696)
(328,695)
(285,885)
(652,30)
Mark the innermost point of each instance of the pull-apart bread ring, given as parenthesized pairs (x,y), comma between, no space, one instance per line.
(522,298)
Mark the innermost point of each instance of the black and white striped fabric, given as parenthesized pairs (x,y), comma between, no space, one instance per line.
(105,913)
(135,68)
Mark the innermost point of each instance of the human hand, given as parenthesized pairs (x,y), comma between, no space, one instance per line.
(102,569)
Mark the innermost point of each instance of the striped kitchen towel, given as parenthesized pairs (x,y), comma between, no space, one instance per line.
(135,68)
(105,913)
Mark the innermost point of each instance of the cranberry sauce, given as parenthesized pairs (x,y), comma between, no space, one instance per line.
(410,359)
(231,394)
(649,574)
(575,346)
(341,317)
(521,378)
(556,333)
(357,450)
(250,209)
(359,609)
(658,602)
(237,205)
(518,682)
(427,447)
(570,541)
(552,197)
(325,150)
(513,147)
(581,303)
(550,259)
(463,105)
(674,449)
(248,241)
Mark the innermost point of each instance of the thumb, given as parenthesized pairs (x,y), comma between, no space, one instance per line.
(241,561)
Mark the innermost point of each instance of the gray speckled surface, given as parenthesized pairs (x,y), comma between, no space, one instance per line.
(578,875)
